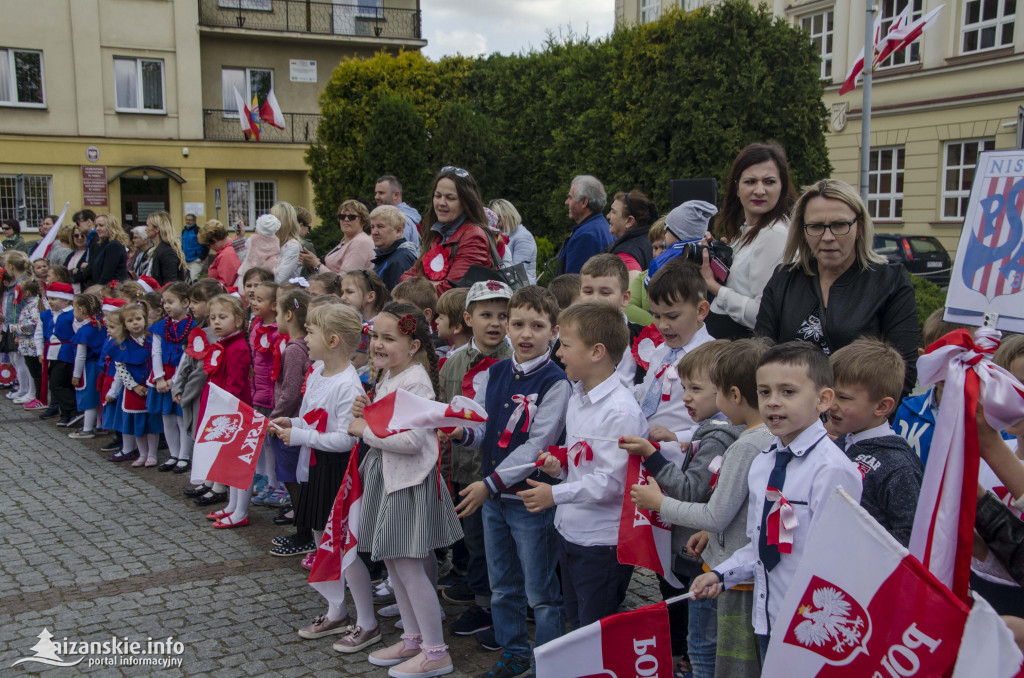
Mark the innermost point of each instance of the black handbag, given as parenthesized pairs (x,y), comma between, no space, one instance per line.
(7,343)
(514,276)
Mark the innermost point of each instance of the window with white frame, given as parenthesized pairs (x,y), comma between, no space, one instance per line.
(820,27)
(885,183)
(912,53)
(21,78)
(249,200)
(247,81)
(138,85)
(958,163)
(987,24)
(650,10)
(37,192)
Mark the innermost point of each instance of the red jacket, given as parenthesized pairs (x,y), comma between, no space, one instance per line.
(467,246)
(232,373)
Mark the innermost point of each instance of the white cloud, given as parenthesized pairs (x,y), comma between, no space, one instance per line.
(458,41)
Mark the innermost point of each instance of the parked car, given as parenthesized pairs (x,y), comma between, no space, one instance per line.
(922,255)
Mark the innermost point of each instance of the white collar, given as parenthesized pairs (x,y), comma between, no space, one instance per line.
(529,365)
(804,442)
(879,431)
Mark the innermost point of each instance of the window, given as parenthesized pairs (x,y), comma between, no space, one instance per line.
(248,81)
(958,165)
(37,193)
(262,5)
(650,10)
(138,85)
(988,24)
(820,28)
(911,54)
(249,200)
(21,78)
(885,183)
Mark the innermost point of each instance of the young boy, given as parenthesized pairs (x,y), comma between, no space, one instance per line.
(450,325)
(604,277)
(521,546)
(465,373)
(868,381)
(57,330)
(589,500)
(686,223)
(566,289)
(794,384)
(420,293)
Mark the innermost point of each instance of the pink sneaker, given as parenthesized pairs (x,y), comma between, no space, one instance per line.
(34,404)
(307,562)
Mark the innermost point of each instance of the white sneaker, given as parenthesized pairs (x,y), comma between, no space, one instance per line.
(389,610)
(28,397)
(10,395)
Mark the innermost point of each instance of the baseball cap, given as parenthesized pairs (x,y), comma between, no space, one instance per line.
(488,289)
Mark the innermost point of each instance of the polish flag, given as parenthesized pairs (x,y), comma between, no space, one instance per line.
(402,411)
(337,549)
(644,538)
(270,111)
(243,115)
(858,63)
(228,441)
(43,248)
(889,41)
(634,643)
(901,38)
(860,605)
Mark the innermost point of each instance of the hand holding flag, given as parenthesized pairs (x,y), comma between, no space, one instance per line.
(403,411)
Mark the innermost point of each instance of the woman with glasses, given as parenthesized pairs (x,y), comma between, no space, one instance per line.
(13,239)
(455,230)
(79,257)
(355,252)
(629,220)
(109,257)
(167,262)
(837,289)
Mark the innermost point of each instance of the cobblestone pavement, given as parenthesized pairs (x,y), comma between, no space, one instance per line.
(92,550)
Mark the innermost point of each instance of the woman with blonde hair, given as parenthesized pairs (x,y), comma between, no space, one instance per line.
(355,251)
(520,241)
(288,238)
(167,259)
(109,260)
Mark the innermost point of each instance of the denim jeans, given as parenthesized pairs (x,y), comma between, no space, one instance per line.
(521,558)
(593,581)
(763,640)
(702,638)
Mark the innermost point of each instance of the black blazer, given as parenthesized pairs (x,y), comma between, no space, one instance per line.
(108,262)
(166,265)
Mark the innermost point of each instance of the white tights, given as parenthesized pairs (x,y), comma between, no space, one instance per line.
(91,417)
(25,383)
(148,445)
(417,598)
(175,433)
(358,579)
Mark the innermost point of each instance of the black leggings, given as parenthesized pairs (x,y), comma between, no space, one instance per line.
(35,370)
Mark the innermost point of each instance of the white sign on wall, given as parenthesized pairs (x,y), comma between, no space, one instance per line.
(302,70)
(196,208)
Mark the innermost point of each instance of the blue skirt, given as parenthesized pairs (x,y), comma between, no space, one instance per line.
(111,413)
(161,403)
(286,459)
(138,423)
(88,396)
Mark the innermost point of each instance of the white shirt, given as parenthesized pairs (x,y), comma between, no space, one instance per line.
(816,469)
(879,431)
(589,501)
(334,395)
(752,266)
(626,369)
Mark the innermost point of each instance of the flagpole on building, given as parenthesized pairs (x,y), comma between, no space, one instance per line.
(869,67)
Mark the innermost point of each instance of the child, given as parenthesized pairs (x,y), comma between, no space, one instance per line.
(589,500)
(604,277)
(156,307)
(638,285)
(169,337)
(89,338)
(110,411)
(57,332)
(869,378)
(733,376)
(14,272)
(129,290)
(521,546)
(566,289)
(30,351)
(364,291)
(406,514)
(326,283)
(420,293)
(132,363)
(40,268)
(450,326)
(58,274)
(794,385)
(485,315)
(251,279)
(320,429)
(686,223)
(263,249)
(263,338)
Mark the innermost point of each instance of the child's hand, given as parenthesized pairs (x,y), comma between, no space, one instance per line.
(551,465)
(538,498)
(696,544)
(663,435)
(177,398)
(707,585)
(76,381)
(109,399)
(647,497)
(140,389)
(283,434)
(362,400)
(636,445)
(282,422)
(162,385)
(451,437)
(473,497)
(357,426)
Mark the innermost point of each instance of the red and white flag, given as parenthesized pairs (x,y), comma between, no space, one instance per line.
(860,605)
(891,40)
(402,411)
(900,37)
(270,111)
(228,441)
(644,538)
(337,547)
(43,248)
(858,64)
(943,534)
(634,643)
(243,115)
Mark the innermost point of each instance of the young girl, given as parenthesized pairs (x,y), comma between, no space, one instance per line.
(327,283)
(15,271)
(231,373)
(30,351)
(89,338)
(129,290)
(263,249)
(252,279)
(365,292)
(321,431)
(169,335)
(110,410)
(406,514)
(58,274)
(40,268)
(55,332)
(132,363)
(156,307)
(263,338)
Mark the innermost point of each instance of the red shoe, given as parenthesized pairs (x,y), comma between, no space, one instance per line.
(226,523)
(217,515)
(307,562)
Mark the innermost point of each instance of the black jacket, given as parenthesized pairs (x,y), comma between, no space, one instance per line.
(108,261)
(1003,534)
(636,244)
(391,263)
(877,302)
(166,265)
(892,475)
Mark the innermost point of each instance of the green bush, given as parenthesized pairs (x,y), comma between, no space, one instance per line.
(929,297)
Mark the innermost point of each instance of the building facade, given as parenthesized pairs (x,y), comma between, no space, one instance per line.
(952,94)
(129,106)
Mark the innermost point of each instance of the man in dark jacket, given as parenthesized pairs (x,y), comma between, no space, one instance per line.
(395,254)
(591,233)
(195,252)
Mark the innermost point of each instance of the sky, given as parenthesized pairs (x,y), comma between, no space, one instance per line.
(480,27)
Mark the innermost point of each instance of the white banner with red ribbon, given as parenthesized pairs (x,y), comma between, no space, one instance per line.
(403,411)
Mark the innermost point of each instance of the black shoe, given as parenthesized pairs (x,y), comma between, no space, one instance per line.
(112,446)
(211,497)
(283,519)
(182,466)
(460,594)
(64,421)
(197,491)
(49,413)
(487,640)
(471,621)
(167,465)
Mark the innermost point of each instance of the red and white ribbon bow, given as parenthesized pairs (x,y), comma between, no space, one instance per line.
(197,345)
(212,359)
(716,468)
(318,420)
(782,521)
(579,452)
(278,351)
(262,341)
(523,405)
(668,374)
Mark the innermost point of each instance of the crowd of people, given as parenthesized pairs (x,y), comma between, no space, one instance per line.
(791,373)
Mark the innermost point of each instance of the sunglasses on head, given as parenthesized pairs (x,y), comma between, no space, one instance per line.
(457,171)
(347,217)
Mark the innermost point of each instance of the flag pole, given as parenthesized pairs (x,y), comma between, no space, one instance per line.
(869,67)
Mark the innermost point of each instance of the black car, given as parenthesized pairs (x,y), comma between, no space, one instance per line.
(922,255)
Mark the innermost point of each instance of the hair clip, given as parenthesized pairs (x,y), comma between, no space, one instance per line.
(296,302)
(407,324)
(301,282)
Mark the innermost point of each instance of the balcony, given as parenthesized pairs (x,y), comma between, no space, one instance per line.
(299,128)
(312,18)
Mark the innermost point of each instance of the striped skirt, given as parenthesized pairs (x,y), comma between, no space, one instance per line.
(409,523)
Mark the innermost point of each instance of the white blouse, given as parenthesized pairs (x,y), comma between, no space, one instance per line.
(753,264)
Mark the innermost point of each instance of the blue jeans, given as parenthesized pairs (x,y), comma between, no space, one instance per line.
(521,558)
(476,567)
(763,641)
(702,638)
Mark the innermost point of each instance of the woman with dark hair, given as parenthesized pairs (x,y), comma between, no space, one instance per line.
(629,220)
(754,221)
(456,237)
(355,251)
(13,239)
(109,257)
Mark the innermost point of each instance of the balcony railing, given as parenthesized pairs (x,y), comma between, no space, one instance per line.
(299,128)
(319,18)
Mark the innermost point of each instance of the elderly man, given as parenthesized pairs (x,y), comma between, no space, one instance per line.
(195,252)
(395,254)
(388,191)
(591,234)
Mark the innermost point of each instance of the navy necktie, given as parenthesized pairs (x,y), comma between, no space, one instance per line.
(777,478)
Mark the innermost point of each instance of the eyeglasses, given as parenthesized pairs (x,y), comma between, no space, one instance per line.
(457,171)
(837,228)
(81,235)
(347,217)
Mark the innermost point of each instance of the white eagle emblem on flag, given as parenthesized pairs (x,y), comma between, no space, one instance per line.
(221,429)
(829,622)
